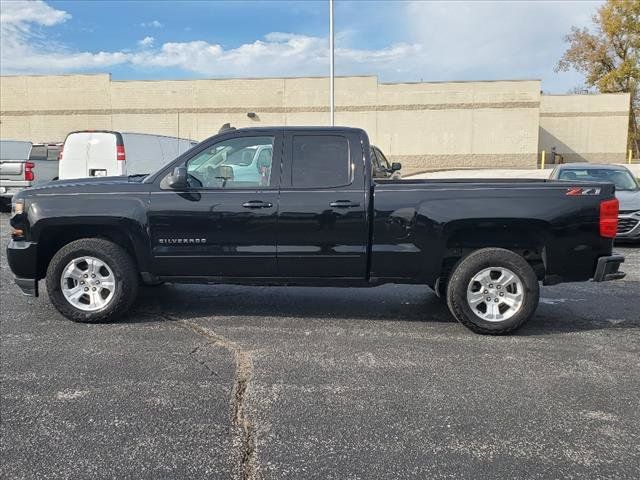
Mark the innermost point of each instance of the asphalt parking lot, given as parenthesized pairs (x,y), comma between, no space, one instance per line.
(247,382)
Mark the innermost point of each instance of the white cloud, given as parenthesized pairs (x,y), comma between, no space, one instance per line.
(146,42)
(277,54)
(20,14)
(152,24)
(24,50)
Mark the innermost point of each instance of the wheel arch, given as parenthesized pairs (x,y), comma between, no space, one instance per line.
(53,236)
(526,237)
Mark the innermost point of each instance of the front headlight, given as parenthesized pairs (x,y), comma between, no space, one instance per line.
(17,207)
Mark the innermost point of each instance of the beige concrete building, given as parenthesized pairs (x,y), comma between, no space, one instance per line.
(590,128)
(426,126)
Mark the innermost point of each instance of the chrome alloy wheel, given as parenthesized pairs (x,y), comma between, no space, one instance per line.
(495,294)
(88,283)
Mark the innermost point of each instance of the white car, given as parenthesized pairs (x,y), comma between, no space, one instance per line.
(93,153)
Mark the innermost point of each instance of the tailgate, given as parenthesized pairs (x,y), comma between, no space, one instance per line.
(11,170)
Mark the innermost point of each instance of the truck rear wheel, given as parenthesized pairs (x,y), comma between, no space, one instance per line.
(92,280)
(493,291)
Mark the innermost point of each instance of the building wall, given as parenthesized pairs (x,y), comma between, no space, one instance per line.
(591,128)
(425,126)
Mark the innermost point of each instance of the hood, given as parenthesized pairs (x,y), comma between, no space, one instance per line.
(84,185)
(629,200)
(81,182)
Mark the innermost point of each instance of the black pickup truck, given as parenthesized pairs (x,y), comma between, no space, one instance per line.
(301,206)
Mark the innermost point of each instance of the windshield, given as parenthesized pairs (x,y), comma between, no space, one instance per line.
(622,179)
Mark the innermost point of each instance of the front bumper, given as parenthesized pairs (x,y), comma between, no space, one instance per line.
(629,226)
(607,269)
(22,257)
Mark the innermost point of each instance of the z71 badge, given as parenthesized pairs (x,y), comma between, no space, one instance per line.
(582,191)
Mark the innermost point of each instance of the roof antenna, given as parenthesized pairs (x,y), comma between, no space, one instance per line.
(225,127)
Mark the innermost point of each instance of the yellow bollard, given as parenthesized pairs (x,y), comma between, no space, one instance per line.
(542,160)
(630,155)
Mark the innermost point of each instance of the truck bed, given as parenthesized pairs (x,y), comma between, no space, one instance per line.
(418,220)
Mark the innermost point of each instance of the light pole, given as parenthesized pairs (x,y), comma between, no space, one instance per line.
(332,106)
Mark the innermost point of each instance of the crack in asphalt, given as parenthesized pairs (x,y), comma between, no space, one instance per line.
(243,375)
(240,417)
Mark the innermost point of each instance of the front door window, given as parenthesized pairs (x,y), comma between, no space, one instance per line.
(244,162)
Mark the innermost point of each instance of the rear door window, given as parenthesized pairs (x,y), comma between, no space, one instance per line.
(53,152)
(38,152)
(320,161)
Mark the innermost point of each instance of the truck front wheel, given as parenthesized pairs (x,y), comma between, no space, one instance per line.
(493,291)
(92,280)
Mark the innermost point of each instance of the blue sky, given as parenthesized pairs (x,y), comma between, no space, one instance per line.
(396,40)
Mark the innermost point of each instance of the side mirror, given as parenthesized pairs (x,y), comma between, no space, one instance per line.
(178,179)
(395,166)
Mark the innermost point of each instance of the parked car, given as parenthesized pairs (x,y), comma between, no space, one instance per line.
(627,192)
(314,216)
(381,168)
(23,164)
(101,153)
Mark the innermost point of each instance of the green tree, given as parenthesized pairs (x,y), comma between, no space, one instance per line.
(609,55)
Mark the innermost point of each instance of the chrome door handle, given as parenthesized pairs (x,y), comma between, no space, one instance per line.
(257,204)
(344,204)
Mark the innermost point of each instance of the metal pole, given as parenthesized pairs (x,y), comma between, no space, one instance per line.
(332,106)
(544,154)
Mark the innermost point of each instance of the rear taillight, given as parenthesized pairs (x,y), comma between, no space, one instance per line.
(60,153)
(29,175)
(120,153)
(609,218)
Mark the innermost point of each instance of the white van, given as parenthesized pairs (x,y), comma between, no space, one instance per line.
(99,153)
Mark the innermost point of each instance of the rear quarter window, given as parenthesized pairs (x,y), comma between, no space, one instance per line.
(320,161)
(38,152)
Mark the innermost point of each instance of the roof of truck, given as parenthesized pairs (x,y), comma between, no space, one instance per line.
(300,127)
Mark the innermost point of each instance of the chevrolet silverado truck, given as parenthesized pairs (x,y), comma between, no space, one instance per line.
(310,212)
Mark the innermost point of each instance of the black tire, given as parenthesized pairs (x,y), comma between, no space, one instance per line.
(118,260)
(473,264)
(5,205)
